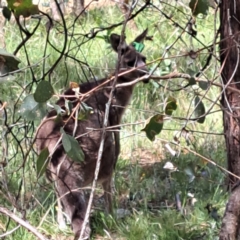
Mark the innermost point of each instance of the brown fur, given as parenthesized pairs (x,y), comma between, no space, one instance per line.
(70,176)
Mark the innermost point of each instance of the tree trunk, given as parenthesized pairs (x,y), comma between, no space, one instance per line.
(229,46)
(230,58)
(55,12)
(230,223)
(78,7)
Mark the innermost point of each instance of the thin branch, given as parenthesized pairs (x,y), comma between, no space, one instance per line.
(9,232)
(23,223)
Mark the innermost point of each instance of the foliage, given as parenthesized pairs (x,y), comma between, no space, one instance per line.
(72,147)
(8,62)
(32,110)
(153,126)
(199,6)
(43,92)
(25,8)
(42,162)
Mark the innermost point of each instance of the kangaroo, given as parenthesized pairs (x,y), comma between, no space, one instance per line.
(69,176)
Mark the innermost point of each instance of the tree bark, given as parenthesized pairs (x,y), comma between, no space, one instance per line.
(230,58)
(230,223)
(78,7)
(55,12)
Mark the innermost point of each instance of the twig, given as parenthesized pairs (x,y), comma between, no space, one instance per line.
(105,123)
(23,223)
(9,232)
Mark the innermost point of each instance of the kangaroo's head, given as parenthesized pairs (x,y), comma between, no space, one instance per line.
(132,61)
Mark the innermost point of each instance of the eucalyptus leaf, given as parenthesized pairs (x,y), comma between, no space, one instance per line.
(84,111)
(199,6)
(43,92)
(203,85)
(171,105)
(72,147)
(25,8)
(191,80)
(153,126)
(190,174)
(8,62)
(6,13)
(42,162)
(199,110)
(32,110)
(68,106)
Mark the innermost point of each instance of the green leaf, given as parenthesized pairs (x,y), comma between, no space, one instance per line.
(199,110)
(8,62)
(43,92)
(171,105)
(72,147)
(42,162)
(199,6)
(167,61)
(84,112)
(6,13)
(153,126)
(31,110)
(192,80)
(203,85)
(58,109)
(68,106)
(190,174)
(23,7)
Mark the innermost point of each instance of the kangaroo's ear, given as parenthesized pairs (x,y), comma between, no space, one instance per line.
(115,41)
(141,37)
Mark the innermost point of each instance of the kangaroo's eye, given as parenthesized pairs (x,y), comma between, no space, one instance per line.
(144,59)
(124,50)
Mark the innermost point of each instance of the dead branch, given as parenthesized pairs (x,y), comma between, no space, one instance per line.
(23,223)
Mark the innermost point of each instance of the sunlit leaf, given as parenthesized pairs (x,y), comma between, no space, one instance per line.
(32,110)
(72,147)
(153,126)
(190,174)
(199,110)
(171,105)
(199,6)
(42,162)
(23,7)
(170,167)
(43,92)
(167,62)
